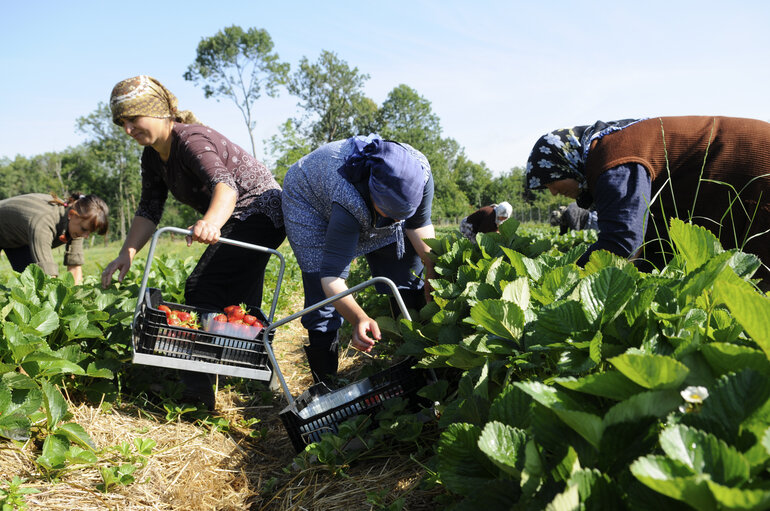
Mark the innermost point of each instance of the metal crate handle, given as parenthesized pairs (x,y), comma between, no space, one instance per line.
(323,303)
(237,243)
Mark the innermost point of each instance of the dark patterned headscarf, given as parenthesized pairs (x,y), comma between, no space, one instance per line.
(145,96)
(562,154)
(396,179)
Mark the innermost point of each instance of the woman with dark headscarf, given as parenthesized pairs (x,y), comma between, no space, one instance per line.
(639,173)
(236,195)
(354,197)
(33,224)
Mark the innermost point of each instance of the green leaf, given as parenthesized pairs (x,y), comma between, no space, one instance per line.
(505,446)
(55,404)
(561,321)
(517,292)
(646,404)
(724,415)
(504,319)
(610,384)
(705,454)
(738,498)
(675,480)
(749,307)
(55,449)
(77,434)
(696,243)
(651,371)
(524,265)
(725,357)
(586,424)
(45,321)
(605,293)
(463,467)
(568,500)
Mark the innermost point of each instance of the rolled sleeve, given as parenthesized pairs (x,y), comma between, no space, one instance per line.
(73,253)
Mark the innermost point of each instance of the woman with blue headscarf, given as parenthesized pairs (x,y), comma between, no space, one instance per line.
(363,196)
(639,173)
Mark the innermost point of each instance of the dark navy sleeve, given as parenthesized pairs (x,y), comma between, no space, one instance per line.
(340,245)
(621,198)
(421,217)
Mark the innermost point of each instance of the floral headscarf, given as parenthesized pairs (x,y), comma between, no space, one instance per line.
(562,154)
(145,96)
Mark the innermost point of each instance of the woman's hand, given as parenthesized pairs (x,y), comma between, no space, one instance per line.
(122,263)
(203,232)
(361,341)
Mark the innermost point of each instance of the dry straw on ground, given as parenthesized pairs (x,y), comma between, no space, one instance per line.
(195,468)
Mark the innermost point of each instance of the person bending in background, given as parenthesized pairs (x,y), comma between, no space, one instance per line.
(573,218)
(236,196)
(485,219)
(33,224)
(357,197)
(715,170)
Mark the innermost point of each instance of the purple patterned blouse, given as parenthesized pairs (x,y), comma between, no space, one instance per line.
(200,158)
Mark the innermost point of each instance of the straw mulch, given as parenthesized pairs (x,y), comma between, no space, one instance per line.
(195,468)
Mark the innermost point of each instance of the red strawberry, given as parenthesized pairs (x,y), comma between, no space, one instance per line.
(220,317)
(164,308)
(230,308)
(172,320)
(249,319)
(183,316)
(238,312)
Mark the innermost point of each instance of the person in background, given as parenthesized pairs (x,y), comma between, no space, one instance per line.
(236,196)
(363,196)
(573,218)
(639,173)
(33,224)
(485,219)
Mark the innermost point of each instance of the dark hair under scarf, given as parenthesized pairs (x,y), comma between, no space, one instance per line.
(396,179)
(562,154)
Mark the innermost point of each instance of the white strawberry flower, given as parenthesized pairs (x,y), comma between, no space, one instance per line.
(693,394)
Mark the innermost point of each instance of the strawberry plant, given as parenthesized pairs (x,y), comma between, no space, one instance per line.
(573,387)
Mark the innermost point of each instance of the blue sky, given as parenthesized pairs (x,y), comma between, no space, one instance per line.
(498,74)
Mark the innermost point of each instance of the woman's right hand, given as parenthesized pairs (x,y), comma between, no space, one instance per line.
(122,263)
(361,341)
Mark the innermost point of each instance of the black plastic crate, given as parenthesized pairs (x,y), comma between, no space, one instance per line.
(400,380)
(153,336)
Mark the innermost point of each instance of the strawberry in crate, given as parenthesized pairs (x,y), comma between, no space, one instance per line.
(180,317)
(235,321)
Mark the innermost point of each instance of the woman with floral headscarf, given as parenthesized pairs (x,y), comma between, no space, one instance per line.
(639,173)
(354,197)
(236,195)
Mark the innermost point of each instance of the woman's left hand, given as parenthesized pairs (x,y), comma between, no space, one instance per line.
(203,232)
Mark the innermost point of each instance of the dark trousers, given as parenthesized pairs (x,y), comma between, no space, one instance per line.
(19,257)
(229,275)
(323,323)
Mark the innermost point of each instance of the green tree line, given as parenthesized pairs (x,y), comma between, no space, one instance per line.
(242,66)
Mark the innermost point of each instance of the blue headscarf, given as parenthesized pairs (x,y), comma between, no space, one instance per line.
(396,179)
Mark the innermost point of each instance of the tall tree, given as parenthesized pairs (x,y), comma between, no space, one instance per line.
(406,116)
(331,96)
(287,147)
(118,156)
(239,65)
(474,179)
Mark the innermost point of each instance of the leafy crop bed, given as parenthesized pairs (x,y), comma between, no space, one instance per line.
(559,387)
